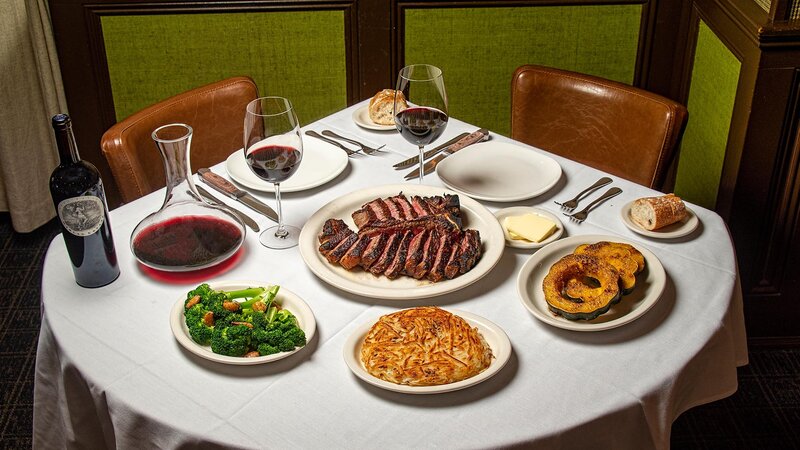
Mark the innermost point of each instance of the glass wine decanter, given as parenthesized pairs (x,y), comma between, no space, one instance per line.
(186,233)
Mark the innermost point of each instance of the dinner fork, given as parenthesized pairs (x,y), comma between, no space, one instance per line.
(580,216)
(364,148)
(349,152)
(569,205)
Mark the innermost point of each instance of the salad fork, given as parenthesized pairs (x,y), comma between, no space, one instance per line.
(364,148)
(569,205)
(349,152)
(580,216)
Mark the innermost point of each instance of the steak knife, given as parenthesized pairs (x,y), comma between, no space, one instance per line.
(226,187)
(430,166)
(406,163)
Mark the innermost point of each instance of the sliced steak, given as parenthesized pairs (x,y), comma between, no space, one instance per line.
(428,255)
(373,250)
(405,206)
(386,258)
(334,231)
(470,250)
(420,237)
(415,250)
(394,211)
(336,254)
(398,263)
(443,250)
(352,257)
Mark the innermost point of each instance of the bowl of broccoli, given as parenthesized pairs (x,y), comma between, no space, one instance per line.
(242,322)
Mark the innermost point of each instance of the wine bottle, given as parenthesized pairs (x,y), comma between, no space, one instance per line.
(80,202)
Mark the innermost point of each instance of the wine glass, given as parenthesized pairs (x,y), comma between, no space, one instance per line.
(420,106)
(273,149)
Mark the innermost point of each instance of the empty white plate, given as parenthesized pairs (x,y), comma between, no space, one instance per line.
(499,172)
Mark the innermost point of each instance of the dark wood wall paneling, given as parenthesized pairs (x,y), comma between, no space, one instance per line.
(759,194)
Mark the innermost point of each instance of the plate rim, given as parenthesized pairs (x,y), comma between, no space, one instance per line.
(181,332)
(342,161)
(502,199)
(536,210)
(655,268)
(501,356)
(684,230)
(369,125)
(324,270)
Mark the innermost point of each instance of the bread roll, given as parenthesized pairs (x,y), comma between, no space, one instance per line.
(652,213)
(381,107)
(424,346)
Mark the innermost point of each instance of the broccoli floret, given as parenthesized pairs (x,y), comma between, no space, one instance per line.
(296,336)
(266,349)
(231,341)
(199,330)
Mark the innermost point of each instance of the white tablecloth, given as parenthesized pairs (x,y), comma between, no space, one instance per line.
(110,373)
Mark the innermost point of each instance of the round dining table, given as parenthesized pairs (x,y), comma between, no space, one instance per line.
(111,373)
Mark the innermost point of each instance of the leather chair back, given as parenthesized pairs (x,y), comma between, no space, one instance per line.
(611,126)
(214,111)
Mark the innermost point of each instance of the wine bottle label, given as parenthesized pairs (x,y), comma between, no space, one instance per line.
(81,216)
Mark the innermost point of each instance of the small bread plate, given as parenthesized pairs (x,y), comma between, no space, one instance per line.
(361,118)
(473,215)
(520,210)
(494,335)
(286,298)
(676,230)
(499,172)
(649,286)
(321,163)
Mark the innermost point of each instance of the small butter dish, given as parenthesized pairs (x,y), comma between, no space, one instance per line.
(522,210)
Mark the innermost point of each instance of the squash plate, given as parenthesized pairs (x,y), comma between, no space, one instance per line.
(649,287)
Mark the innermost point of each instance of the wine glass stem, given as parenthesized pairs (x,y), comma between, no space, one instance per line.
(421,161)
(281,231)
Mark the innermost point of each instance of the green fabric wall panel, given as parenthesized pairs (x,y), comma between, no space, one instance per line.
(298,55)
(478,49)
(715,75)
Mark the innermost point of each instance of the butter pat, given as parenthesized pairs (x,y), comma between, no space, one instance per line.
(530,227)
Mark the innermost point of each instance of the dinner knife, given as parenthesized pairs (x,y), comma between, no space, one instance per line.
(430,166)
(406,163)
(226,187)
(214,201)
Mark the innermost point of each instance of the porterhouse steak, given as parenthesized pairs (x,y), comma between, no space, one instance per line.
(421,237)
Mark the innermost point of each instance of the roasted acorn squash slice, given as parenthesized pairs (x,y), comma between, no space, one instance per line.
(581,287)
(624,257)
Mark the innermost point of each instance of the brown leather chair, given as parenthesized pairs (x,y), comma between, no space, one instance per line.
(214,111)
(611,126)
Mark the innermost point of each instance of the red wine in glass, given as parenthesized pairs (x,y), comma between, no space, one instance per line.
(420,106)
(421,125)
(274,163)
(273,150)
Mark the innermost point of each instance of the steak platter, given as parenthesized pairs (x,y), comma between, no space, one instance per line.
(420,237)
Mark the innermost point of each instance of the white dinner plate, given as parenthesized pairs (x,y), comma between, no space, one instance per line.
(321,163)
(499,172)
(286,298)
(520,210)
(361,118)
(473,214)
(494,335)
(676,230)
(649,286)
